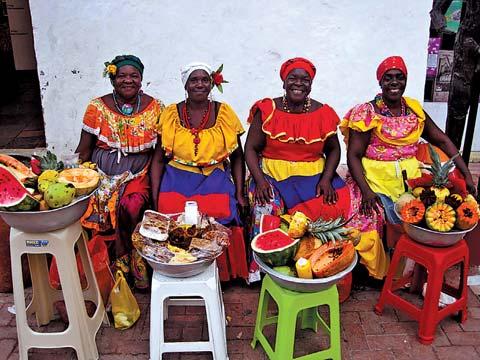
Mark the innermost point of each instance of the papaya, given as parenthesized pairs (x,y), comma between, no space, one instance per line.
(331,258)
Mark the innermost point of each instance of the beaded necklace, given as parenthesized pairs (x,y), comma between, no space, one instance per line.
(127,109)
(306,105)
(384,109)
(196,131)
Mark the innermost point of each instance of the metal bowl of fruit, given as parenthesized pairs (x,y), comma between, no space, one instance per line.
(178,270)
(431,237)
(304,285)
(48,220)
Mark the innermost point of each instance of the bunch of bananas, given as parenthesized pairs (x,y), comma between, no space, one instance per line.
(88,165)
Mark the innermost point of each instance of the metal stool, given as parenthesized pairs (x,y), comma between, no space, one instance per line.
(82,329)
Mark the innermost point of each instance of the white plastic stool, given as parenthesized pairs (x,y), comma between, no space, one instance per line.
(206,286)
(81,331)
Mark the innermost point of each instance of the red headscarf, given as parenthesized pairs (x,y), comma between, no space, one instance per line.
(297,63)
(392,62)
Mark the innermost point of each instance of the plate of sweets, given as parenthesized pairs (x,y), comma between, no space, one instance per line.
(177,249)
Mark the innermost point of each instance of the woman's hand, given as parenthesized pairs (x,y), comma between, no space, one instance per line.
(369,203)
(242,200)
(471,185)
(263,192)
(242,203)
(324,187)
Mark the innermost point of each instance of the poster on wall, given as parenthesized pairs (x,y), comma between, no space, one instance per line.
(432,59)
(453,14)
(444,75)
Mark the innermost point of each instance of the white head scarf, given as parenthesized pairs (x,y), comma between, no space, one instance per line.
(188,69)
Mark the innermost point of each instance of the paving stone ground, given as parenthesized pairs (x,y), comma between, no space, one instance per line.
(365,335)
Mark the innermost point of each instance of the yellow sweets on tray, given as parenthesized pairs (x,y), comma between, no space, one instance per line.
(304,269)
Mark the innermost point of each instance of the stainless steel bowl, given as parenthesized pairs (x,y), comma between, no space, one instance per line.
(432,237)
(304,285)
(178,270)
(48,220)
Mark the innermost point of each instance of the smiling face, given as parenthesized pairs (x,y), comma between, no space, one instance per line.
(393,85)
(198,86)
(127,82)
(297,85)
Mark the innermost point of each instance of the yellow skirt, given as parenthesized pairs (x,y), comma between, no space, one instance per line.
(385,177)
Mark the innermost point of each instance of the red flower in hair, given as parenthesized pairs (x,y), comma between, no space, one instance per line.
(217,78)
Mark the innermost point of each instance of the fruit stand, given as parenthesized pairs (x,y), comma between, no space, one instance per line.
(305,255)
(303,260)
(43,203)
(436,215)
(438,211)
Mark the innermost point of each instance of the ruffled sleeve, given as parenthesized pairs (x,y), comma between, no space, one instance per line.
(229,120)
(167,120)
(265,106)
(92,122)
(361,118)
(416,108)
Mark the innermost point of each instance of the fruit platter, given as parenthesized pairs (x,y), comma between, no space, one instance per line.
(304,255)
(437,211)
(176,249)
(44,196)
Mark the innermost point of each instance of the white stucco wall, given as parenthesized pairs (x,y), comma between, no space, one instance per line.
(345,39)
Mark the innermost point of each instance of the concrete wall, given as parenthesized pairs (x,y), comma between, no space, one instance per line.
(345,39)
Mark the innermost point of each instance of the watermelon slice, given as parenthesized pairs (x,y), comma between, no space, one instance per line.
(12,191)
(269,222)
(275,247)
(17,168)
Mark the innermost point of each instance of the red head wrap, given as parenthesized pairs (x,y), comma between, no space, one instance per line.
(392,62)
(297,63)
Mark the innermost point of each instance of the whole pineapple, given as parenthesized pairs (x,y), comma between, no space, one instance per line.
(440,173)
(330,230)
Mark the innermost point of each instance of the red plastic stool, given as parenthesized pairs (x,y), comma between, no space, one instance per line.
(436,260)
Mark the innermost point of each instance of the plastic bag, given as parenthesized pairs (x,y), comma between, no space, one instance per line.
(99,256)
(125,308)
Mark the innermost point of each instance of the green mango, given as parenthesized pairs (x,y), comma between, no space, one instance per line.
(59,194)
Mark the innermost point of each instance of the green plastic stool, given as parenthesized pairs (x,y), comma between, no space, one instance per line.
(292,304)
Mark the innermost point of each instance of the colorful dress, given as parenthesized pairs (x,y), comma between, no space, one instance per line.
(204,177)
(122,153)
(390,159)
(293,161)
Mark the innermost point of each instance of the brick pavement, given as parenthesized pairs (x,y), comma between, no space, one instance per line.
(364,334)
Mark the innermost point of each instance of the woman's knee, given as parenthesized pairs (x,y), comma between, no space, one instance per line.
(133,204)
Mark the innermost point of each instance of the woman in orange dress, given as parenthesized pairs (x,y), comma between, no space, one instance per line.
(119,134)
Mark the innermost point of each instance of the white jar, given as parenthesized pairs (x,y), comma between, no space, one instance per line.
(191,213)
